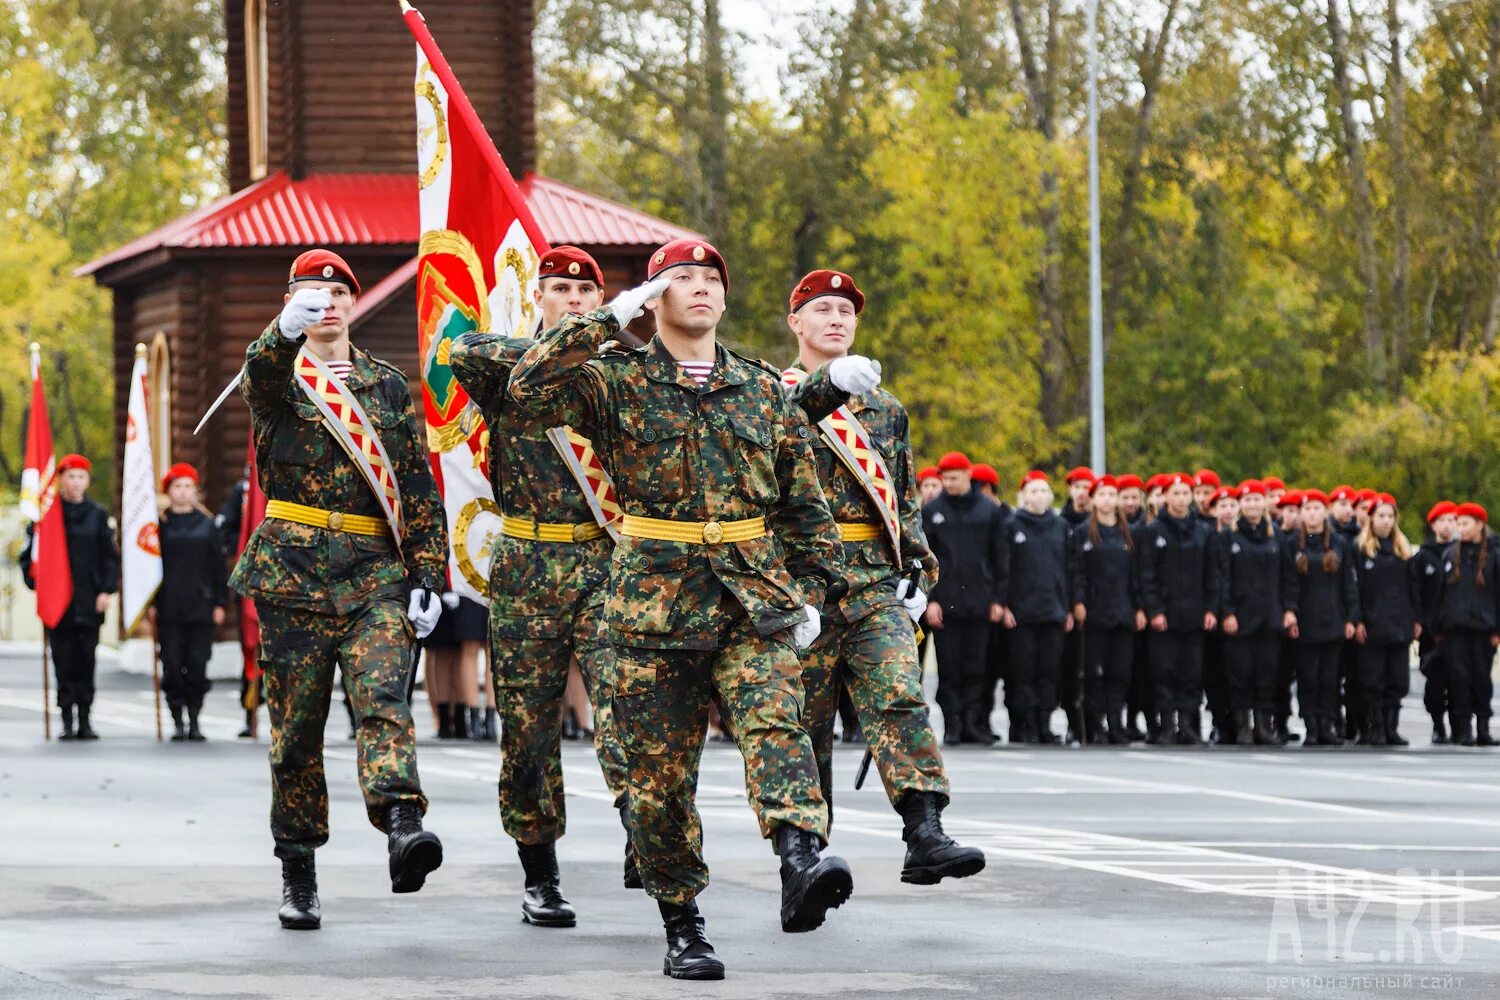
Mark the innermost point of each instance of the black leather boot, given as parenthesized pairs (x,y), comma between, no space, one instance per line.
(85,731)
(1463,735)
(1284,734)
(445,721)
(1244,729)
(1392,737)
(810,885)
(1439,730)
(1189,733)
(932,855)
(460,721)
(690,955)
(414,852)
(1119,733)
(1263,734)
(1372,733)
(476,726)
(194,733)
(179,732)
(632,870)
(491,729)
(300,909)
(1482,736)
(1042,720)
(1133,731)
(543,904)
(68,732)
(953,728)
(1330,732)
(1166,730)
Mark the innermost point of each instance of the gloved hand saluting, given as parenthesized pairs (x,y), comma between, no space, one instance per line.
(805,634)
(424,610)
(630,303)
(854,374)
(302,310)
(912,599)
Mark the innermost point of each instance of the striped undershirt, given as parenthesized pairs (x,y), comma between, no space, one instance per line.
(340,368)
(699,370)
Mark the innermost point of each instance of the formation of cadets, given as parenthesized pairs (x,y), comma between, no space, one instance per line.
(1144,601)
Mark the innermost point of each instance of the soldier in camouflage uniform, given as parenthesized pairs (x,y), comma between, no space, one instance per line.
(870,633)
(727,550)
(332,586)
(546,594)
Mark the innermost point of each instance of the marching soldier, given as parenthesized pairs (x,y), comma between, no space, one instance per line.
(870,631)
(548,572)
(345,569)
(727,551)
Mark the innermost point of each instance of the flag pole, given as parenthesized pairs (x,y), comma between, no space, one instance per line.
(46,692)
(156,675)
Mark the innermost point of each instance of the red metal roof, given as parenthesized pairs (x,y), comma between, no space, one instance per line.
(376,209)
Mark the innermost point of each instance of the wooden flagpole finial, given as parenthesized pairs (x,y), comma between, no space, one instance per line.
(140,350)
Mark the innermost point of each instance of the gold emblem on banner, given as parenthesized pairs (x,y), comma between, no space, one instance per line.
(461,525)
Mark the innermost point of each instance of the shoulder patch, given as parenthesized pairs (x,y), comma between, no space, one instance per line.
(382,363)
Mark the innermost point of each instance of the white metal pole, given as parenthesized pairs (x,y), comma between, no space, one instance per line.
(1096,298)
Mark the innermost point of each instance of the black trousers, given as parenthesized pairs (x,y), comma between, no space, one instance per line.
(1349,679)
(1469,656)
(185,650)
(1434,667)
(1141,698)
(1318,677)
(1070,678)
(1251,665)
(1215,676)
(73,649)
(1035,656)
(994,670)
(1108,654)
(1177,670)
(1286,676)
(961,647)
(1384,674)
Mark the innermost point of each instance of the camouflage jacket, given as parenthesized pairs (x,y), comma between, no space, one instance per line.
(871,572)
(735,448)
(315,569)
(533,586)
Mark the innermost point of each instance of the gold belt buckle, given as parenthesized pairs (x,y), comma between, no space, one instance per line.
(335,521)
(581,532)
(713,532)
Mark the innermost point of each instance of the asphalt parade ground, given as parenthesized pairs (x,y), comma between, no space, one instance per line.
(132,869)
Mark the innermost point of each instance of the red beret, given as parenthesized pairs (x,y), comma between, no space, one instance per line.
(1206,477)
(1130,481)
(1154,483)
(825,282)
(931,472)
(1309,496)
(74,462)
(179,471)
(1291,498)
(1441,509)
(1081,472)
(1381,498)
(986,474)
(684,253)
(1252,486)
(1034,476)
(572,263)
(1274,483)
(322,265)
(1367,495)
(1342,492)
(955,461)
(1473,510)
(1223,493)
(1104,480)
(1170,479)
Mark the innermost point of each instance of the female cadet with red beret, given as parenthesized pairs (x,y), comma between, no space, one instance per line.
(1107,604)
(1180,589)
(1441,524)
(1468,623)
(1034,591)
(191,600)
(929,483)
(1321,598)
(1136,514)
(1289,519)
(1250,571)
(1388,603)
(1224,510)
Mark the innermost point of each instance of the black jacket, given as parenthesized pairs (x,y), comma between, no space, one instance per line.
(1034,575)
(1179,575)
(1250,576)
(1104,578)
(1427,567)
(1071,516)
(93,558)
(1462,603)
(967,534)
(1388,598)
(192,569)
(1323,602)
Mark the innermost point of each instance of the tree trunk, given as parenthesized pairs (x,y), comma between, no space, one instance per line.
(714,138)
(1400,190)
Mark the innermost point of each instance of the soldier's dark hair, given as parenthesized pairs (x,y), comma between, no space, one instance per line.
(1455,555)
(1120,522)
(1330,553)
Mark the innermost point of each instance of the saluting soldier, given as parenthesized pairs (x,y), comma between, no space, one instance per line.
(548,569)
(864,460)
(345,569)
(726,553)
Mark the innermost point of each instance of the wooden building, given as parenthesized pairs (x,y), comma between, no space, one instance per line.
(322,152)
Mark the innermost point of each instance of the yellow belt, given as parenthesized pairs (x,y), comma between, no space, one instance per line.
(693,532)
(859,531)
(532,531)
(355,524)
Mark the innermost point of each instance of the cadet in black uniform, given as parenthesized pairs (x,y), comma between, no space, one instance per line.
(1224,509)
(1136,510)
(1075,512)
(191,601)
(987,481)
(1180,588)
(1289,519)
(1107,604)
(1250,578)
(1468,623)
(1388,586)
(1441,522)
(1034,590)
(1321,597)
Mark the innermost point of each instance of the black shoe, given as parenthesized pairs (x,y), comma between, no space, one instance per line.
(1372,733)
(1439,730)
(810,885)
(1119,733)
(1188,732)
(1329,732)
(1244,729)
(1283,734)
(977,729)
(932,855)
(1392,737)
(300,910)
(1314,737)
(491,729)
(476,726)
(1462,735)
(543,904)
(414,852)
(1262,732)
(179,731)
(460,722)
(1483,737)
(690,955)
(1133,731)
(68,732)
(1042,719)
(1166,730)
(445,721)
(570,726)
(194,733)
(632,869)
(85,731)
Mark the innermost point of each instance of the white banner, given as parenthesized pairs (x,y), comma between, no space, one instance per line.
(140,538)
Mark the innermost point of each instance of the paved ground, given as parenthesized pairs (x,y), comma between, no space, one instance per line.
(135,869)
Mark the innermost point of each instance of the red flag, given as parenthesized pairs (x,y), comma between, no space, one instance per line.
(252,512)
(50,571)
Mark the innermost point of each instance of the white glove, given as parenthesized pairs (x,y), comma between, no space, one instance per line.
(302,310)
(915,603)
(630,303)
(854,374)
(424,610)
(450,601)
(806,634)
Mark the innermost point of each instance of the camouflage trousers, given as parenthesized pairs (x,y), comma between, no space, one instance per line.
(661,701)
(530,677)
(298,651)
(876,657)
